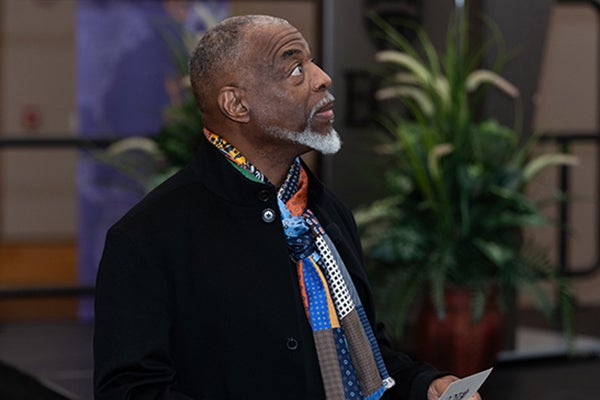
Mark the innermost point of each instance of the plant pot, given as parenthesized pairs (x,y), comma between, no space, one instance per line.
(456,344)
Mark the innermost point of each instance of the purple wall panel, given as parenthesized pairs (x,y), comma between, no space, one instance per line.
(122,63)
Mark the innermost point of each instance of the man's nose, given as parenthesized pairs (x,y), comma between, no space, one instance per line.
(321,81)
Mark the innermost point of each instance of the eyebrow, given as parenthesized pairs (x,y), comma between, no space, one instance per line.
(289,53)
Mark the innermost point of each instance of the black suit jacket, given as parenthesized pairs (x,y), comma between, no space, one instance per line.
(197,297)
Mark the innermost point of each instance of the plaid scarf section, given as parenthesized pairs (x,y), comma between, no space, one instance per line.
(349,357)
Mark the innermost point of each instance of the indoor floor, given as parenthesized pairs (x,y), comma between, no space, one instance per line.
(55,360)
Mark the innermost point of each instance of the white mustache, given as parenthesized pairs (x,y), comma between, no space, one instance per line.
(322,103)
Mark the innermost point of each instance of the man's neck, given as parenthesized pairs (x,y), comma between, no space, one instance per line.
(272,158)
(271,163)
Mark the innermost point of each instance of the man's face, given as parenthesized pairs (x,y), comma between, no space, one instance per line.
(287,93)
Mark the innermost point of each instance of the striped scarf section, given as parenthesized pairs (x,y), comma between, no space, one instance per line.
(349,358)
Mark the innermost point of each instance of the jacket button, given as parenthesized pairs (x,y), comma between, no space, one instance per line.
(268,215)
(291,344)
(263,195)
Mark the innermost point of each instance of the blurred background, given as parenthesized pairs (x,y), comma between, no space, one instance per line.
(78,75)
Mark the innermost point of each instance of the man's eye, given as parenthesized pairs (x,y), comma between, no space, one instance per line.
(297,71)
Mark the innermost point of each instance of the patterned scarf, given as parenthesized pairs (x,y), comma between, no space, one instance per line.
(349,357)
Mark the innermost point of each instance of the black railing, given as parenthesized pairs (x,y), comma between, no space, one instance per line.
(15,141)
(593,3)
(20,142)
(565,142)
(15,292)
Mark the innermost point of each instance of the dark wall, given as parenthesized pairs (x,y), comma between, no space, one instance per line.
(523,25)
(351,172)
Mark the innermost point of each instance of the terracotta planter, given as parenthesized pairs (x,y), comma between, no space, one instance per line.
(456,344)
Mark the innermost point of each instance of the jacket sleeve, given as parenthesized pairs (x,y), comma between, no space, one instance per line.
(412,377)
(133,319)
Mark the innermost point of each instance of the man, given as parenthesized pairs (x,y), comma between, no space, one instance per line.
(241,277)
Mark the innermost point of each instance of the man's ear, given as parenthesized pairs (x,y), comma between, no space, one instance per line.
(232,103)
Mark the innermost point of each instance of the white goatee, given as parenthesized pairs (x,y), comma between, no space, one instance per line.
(325,143)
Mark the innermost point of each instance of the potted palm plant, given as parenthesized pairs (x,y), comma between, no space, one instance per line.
(454,218)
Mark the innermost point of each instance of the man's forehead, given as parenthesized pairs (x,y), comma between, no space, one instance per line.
(279,40)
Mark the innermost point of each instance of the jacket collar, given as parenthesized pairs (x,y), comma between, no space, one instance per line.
(223,179)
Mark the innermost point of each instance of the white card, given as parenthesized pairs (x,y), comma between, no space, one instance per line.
(465,388)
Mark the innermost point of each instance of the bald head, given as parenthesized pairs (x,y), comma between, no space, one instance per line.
(219,52)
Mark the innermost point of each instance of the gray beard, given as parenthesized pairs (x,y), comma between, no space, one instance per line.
(328,143)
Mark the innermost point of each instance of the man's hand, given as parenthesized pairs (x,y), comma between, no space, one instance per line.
(438,386)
